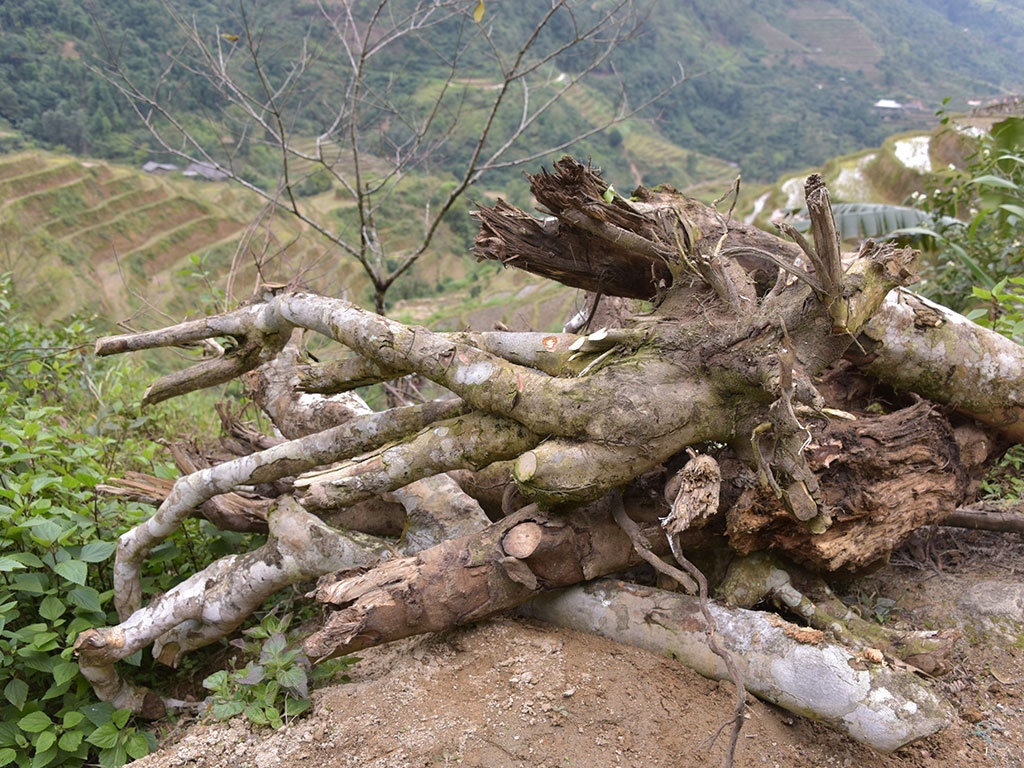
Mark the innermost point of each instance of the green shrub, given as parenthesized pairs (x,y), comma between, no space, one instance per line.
(65,423)
(985,246)
(273,687)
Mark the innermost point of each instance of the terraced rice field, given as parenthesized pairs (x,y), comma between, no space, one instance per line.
(84,236)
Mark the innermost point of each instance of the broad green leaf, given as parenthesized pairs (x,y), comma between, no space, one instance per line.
(73,718)
(9,734)
(16,692)
(97,551)
(44,758)
(273,647)
(52,608)
(137,746)
(294,707)
(70,740)
(120,717)
(35,722)
(43,482)
(255,713)
(64,671)
(225,710)
(7,756)
(86,598)
(98,713)
(44,641)
(73,570)
(1016,210)
(991,180)
(1008,134)
(104,737)
(216,681)
(114,757)
(8,564)
(27,558)
(295,679)
(46,740)
(46,532)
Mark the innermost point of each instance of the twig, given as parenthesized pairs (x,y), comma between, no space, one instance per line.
(988,516)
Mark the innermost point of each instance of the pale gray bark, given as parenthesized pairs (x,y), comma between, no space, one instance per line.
(916,345)
(793,667)
(213,602)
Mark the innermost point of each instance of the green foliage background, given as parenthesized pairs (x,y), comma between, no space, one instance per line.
(69,421)
(767,87)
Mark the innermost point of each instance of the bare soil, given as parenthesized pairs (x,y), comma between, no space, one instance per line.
(512,692)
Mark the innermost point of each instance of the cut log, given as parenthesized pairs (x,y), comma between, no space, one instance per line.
(466,579)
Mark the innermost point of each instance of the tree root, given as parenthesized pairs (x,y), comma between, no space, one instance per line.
(212,603)
(763,577)
(790,666)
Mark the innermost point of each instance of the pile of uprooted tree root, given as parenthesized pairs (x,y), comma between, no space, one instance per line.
(778,411)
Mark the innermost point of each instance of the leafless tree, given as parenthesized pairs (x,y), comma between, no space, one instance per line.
(335,107)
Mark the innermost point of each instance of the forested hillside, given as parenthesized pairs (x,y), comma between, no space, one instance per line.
(771,88)
(772,85)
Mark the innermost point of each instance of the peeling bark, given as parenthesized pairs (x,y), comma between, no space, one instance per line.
(790,666)
(881,478)
(466,579)
(213,602)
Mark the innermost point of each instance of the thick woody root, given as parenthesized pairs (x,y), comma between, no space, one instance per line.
(790,666)
(215,601)
(466,579)
(762,576)
(915,345)
(188,493)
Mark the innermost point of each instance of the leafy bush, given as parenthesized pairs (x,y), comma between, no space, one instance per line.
(985,246)
(275,687)
(64,425)
(979,262)
(68,421)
